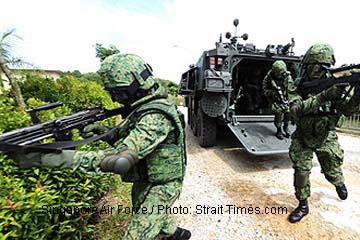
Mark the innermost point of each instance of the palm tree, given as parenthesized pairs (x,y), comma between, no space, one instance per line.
(6,58)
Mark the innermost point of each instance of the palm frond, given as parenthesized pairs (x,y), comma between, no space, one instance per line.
(8,41)
(9,35)
(20,63)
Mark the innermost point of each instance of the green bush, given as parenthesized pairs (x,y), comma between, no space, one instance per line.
(87,77)
(48,114)
(10,115)
(170,86)
(25,193)
(74,93)
(33,85)
(77,95)
(32,202)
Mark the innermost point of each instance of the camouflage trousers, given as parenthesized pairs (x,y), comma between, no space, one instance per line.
(330,156)
(155,198)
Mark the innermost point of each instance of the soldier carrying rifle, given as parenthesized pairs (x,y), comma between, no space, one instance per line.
(148,147)
(275,89)
(318,100)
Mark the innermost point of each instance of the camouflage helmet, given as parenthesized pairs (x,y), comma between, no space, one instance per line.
(279,67)
(121,70)
(319,54)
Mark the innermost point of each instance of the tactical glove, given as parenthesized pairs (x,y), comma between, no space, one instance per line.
(333,93)
(92,129)
(37,159)
(96,129)
(295,109)
(119,163)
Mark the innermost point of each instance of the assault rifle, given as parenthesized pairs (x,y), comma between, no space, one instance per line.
(28,138)
(284,103)
(317,86)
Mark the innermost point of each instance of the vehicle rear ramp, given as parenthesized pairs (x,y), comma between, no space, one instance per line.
(257,134)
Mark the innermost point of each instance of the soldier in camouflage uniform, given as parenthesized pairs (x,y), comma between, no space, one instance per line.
(148,148)
(274,84)
(316,117)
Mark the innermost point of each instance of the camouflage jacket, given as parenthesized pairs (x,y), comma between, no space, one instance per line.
(270,85)
(315,120)
(155,131)
(157,135)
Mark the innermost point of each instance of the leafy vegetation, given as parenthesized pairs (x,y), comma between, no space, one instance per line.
(112,226)
(28,195)
(33,202)
(10,115)
(170,86)
(86,77)
(68,89)
(45,203)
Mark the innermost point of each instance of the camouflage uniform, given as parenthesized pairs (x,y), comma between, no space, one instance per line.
(158,178)
(316,121)
(278,77)
(148,147)
(315,132)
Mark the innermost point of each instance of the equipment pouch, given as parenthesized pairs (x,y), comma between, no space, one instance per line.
(165,164)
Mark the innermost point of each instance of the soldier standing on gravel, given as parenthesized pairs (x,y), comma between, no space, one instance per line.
(275,86)
(316,117)
(149,148)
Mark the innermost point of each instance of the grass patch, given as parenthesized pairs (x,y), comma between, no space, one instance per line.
(111,224)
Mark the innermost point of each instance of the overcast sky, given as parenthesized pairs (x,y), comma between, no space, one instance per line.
(171,34)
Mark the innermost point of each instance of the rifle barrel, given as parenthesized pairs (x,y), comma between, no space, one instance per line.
(345,68)
(318,86)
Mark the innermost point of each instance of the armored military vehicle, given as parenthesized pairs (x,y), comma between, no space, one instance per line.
(224,88)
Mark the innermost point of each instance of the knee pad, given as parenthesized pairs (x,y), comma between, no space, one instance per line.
(119,163)
(301,178)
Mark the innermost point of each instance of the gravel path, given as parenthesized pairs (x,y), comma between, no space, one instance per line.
(225,176)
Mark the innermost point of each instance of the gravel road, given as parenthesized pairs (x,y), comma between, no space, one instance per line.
(229,194)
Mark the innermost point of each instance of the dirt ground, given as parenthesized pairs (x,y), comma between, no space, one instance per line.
(230,194)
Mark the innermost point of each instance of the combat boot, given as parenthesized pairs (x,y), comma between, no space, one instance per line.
(342,192)
(279,133)
(180,234)
(286,131)
(301,211)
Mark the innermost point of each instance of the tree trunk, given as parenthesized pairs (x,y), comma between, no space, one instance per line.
(15,89)
(1,80)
